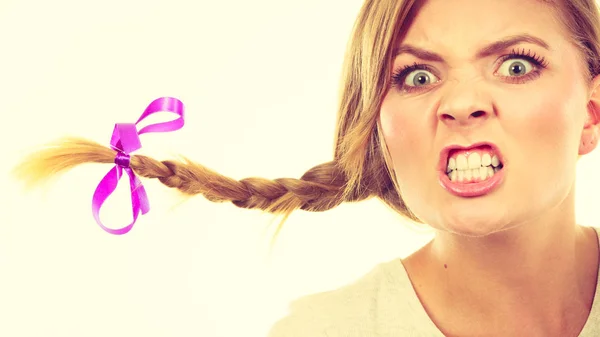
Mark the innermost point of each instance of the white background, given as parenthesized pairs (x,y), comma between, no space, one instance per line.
(260,81)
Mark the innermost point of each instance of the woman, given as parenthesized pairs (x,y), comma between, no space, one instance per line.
(484,108)
(468,116)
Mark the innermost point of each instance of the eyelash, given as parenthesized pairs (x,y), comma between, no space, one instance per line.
(537,61)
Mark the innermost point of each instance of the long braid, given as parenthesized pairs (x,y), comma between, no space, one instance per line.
(319,189)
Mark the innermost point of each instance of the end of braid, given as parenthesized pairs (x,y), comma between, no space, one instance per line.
(59,157)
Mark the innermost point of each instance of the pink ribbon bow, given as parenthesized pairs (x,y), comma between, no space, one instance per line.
(125,139)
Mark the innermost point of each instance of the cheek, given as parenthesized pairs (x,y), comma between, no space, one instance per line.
(545,125)
(405,133)
(542,122)
(542,131)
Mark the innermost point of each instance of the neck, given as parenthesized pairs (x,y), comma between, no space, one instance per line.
(536,271)
(519,258)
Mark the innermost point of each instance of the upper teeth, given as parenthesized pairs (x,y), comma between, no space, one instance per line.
(473,161)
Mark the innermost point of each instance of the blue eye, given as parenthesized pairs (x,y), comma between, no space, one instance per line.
(413,77)
(419,78)
(515,67)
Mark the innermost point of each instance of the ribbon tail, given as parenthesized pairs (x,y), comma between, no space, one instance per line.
(105,188)
(139,198)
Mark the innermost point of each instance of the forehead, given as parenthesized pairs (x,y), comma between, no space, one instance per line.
(462,26)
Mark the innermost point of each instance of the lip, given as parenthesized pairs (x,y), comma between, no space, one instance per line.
(471,189)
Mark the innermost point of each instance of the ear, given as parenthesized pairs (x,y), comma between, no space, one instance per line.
(591,128)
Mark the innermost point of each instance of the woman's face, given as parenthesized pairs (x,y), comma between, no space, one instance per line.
(468,91)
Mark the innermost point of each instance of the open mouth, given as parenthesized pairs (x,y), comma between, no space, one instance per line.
(471,171)
(473,165)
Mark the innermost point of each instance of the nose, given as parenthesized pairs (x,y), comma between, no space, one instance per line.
(464,104)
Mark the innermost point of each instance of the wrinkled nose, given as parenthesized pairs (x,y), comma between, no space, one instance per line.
(464,104)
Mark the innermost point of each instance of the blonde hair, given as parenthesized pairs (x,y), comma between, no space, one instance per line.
(361,167)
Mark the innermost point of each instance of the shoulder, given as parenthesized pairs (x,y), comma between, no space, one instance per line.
(349,311)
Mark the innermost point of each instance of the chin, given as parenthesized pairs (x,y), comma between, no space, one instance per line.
(476,222)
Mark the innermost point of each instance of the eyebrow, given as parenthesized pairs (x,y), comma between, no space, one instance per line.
(491,49)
